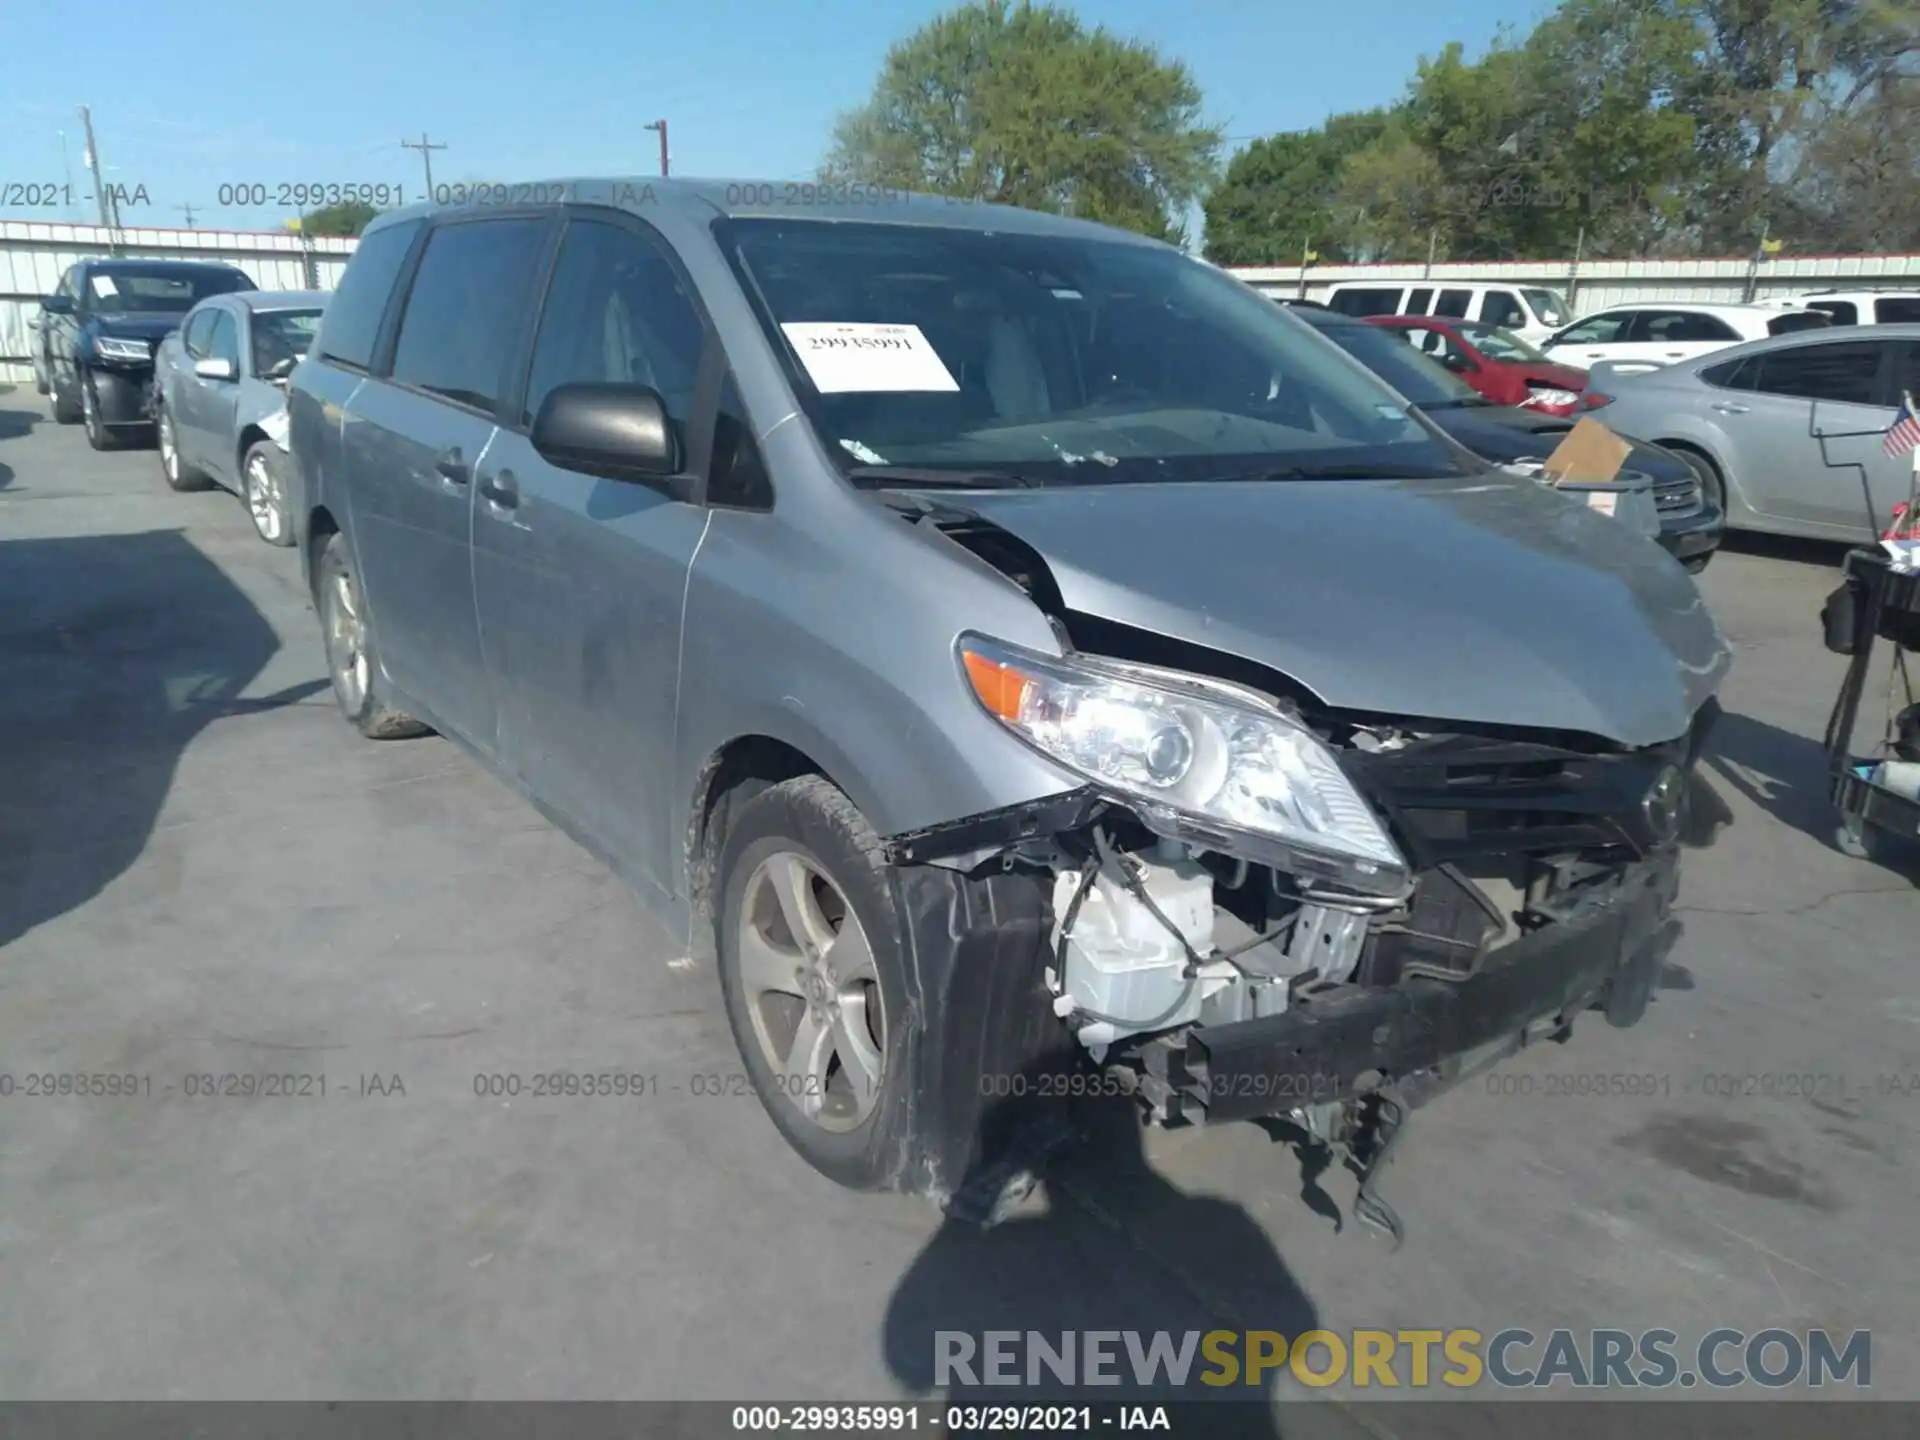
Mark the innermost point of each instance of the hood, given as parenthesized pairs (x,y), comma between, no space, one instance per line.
(1505,433)
(1483,599)
(135,327)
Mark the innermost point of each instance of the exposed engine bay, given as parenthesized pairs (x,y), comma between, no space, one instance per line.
(1532,878)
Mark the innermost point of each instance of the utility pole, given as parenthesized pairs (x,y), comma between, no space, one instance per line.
(188,210)
(97,170)
(426,148)
(661,126)
(66,171)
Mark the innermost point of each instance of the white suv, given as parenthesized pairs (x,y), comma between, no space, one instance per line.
(1865,307)
(1530,311)
(1653,333)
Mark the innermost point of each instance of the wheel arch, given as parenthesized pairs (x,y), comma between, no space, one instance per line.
(250,435)
(727,779)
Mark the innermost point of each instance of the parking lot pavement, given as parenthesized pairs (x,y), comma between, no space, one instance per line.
(204,873)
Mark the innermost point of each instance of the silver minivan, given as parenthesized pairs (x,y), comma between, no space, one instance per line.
(1026,662)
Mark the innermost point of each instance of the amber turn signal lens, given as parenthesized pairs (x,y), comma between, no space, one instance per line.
(1000,687)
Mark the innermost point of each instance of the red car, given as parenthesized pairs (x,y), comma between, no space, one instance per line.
(1497,363)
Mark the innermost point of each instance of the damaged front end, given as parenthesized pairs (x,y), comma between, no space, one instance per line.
(1262,907)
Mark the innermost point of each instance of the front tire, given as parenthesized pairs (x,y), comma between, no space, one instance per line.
(813,976)
(352,660)
(98,435)
(179,474)
(263,487)
(1713,486)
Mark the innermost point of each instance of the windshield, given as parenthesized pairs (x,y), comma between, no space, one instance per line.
(1386,352)
(124,290)
(1548,305)
(1061,360)
(280,338)
(1500,344)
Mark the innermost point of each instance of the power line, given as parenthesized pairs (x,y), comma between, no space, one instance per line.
(187,210)
(426,148)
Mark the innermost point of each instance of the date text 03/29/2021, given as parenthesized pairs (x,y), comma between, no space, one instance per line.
(942,1418)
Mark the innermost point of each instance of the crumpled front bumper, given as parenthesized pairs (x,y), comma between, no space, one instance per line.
(1334,1036)
(124,394)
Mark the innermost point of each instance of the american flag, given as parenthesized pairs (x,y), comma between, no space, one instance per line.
(1904,434)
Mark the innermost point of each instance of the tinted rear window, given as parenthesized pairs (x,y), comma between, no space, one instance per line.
(1845,373)
(1897,310)
(352,323)
(1367,300)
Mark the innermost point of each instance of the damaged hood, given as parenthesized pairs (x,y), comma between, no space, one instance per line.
(1482,599)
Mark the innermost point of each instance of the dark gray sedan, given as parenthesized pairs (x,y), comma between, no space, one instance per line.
(221,400)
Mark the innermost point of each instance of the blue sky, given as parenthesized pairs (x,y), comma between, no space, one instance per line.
(188,98)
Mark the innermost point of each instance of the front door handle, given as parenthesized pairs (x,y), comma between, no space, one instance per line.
(1726,407)
(501,489)
(451,466)
(1676,354)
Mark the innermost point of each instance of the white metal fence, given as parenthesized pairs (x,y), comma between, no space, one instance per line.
(1595,284)
(34,255)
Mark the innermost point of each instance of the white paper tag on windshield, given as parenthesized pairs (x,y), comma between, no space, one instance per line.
(1603,501)
(104,287)
(848,358)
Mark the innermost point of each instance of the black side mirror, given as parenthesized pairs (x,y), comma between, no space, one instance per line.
(620,432)
(57,304)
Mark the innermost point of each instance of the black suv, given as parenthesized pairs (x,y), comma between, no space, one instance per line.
(99,330)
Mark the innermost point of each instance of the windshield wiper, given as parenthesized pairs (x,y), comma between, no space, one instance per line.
(913,478)
(1347,472)
(1464,402)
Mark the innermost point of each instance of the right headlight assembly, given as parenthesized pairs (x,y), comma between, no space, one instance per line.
(1196,759)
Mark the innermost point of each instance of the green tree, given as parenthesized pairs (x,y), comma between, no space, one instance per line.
(1023,105)
(1281,195)
(349,217)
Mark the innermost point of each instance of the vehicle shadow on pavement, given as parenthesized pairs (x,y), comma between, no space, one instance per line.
(1114,1247)
(115,651)
(14,424)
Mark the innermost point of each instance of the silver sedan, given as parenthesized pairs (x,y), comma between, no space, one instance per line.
(220,387)
(1788,431)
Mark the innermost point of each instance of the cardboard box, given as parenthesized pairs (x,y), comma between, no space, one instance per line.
(1590,454)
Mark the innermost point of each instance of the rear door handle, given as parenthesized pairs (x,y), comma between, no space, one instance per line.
(1676,354)
(451,466)
(501,489)
(1728,408)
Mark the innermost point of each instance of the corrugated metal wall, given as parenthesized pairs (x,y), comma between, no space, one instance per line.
(34,255)
(1601,283)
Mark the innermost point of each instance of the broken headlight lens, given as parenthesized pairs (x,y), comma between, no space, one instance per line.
(1198,760)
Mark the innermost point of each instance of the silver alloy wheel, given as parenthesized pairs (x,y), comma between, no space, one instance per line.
(169,453)
(346,642)
(263,498)
(811,992)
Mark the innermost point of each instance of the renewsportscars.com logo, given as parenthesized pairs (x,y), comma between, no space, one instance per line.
(1410,1359)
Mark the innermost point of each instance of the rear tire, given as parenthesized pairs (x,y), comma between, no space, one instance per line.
(66,409)
(263,489)
(178,473)
(816,1000)
(352,659)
